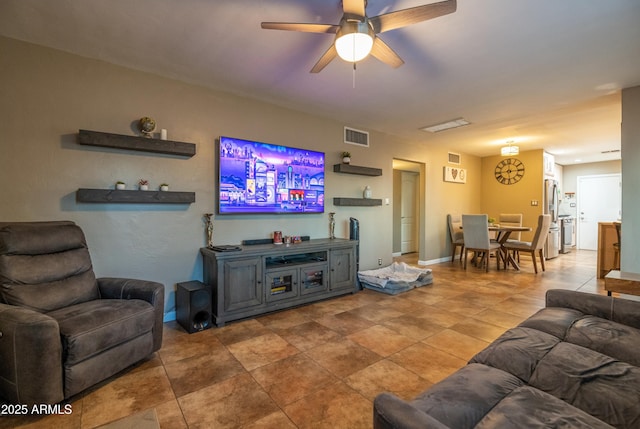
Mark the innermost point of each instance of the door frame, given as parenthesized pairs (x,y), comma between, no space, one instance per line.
(579,200)
(400,164)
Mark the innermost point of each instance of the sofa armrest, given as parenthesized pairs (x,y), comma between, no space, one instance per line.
(391,412)
(31,356)
(152,292)
(619,310)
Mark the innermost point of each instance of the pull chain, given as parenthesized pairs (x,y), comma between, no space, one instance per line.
(354,75)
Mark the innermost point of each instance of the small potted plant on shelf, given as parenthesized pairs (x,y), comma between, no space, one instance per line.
(120,185)
(143,184)
(346,157)
(164,187)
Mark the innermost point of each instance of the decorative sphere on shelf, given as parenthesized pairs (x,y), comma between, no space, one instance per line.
(147,125)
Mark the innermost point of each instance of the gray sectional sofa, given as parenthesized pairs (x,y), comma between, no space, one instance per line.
(574,364)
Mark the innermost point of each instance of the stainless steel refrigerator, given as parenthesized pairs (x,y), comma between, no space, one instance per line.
(550,206)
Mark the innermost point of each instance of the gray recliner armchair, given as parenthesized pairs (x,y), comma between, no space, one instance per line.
(61,329)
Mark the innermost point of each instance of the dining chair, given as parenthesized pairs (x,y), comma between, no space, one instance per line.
(476,239)
(536,245)
(454,221)
(512,219)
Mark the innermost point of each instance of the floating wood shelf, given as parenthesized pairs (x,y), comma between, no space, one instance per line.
(340,201)
(137,143)
(84,195)
(355,169)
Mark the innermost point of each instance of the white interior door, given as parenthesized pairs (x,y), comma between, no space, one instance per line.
(599,199)
(408,212)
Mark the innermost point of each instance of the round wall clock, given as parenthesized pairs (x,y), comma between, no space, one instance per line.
(509,171)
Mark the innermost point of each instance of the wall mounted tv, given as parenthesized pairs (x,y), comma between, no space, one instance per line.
(257,177)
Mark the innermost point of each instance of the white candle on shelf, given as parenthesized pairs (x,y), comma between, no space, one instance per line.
(163,134)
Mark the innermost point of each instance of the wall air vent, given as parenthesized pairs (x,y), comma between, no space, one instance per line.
(454,158)
(357,137)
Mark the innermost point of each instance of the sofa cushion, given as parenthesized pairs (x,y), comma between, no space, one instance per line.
(462,399)
(92,327)
(553,320)
(611,338)
(597,384)
(517,351)
(530,408)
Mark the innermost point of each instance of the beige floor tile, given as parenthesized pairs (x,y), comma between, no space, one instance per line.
(344,323)
(429,363)
(293,378)
(277,420)
(387,376)
(334,406)
(343,357)
(240,331)
(126,395)
(456,343)
(262,350)
(413,326)
(170,416)
(376,313)
(196,372)
(381,340)
(499,318)
(232,403)
(441,316)
(478,329)
(283,319)
(199,344)
(307,335)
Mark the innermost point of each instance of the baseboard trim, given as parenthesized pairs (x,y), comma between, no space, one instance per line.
(434,261)
(396,254)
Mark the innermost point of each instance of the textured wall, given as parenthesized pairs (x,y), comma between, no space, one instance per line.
(47,95)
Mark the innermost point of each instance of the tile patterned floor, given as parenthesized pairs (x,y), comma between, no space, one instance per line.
(322,365)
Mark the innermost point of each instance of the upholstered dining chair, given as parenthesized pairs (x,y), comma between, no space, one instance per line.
(536,245)
(512,219)
(476,239)
(454,221)
(62,330)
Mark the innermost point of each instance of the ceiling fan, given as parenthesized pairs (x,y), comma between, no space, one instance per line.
(356,34)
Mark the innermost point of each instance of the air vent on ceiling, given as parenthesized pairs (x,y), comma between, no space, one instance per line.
(454,158)
(611,151)
(353,136)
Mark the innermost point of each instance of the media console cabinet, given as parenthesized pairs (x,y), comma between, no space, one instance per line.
(267,277)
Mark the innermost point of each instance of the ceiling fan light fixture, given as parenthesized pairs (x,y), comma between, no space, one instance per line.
(354,41)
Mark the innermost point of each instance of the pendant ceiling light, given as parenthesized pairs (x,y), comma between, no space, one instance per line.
(509,150)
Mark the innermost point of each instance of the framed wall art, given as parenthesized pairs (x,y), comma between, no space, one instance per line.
(455,174)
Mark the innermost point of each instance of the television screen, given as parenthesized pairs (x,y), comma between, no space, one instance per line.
(257,177)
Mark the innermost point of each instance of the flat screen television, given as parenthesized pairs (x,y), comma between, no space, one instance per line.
(256,177)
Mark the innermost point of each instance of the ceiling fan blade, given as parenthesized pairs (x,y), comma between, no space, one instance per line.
(354,7)
(325,59)
(384,53)
(413,15)
(296,26)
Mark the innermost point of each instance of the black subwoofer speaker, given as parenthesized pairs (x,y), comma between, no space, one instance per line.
(193,306)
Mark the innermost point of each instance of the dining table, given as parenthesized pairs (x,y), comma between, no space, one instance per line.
(503,232)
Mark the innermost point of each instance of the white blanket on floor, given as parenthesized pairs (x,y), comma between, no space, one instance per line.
(397,272)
